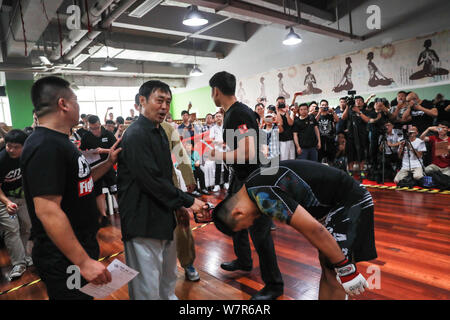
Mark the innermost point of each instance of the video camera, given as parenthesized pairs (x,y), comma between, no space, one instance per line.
(351,98)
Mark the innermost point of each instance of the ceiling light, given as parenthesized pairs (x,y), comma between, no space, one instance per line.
(194,18)
(196,72)
(108,65)
(292,38)
(144,8)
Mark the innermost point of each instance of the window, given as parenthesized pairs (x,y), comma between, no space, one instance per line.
(96,100)
(5,113)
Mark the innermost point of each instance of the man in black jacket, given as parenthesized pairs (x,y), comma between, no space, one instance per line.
(148,198)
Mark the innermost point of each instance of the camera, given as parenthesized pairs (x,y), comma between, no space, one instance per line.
(317,108)
(325,109)
(281,106)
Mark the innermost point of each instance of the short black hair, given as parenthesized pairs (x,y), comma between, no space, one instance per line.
(120,120)
(225,82)
(304,104)
(46,92)
(343,98)
(109,122)
(258,104)
(359,97)
(323,101)
(404,92)
(16,136)
(129,119)
(443,123)
(184,112)
(280,97)
(272,108)
(93,119)
(221,215)
(209,114)
(151,86)
(136,99)
(83,115)
(312,102)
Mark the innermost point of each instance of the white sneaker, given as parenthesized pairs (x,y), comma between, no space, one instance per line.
(17,271)
(216,188)
(226,185)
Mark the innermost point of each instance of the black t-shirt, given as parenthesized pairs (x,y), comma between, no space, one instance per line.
(52,165)
(10,175)
(326,125)
(306,134)
(239,122)
(81,132)
(105,141)
(287,134)
(341,124)
(442,114)
(316,187)
(421,120)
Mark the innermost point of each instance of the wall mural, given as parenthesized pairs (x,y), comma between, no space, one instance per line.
(415,62)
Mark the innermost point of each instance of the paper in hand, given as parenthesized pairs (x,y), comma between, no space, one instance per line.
(121,274)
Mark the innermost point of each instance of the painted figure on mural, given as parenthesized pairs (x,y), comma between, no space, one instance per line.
(376,78)
(430,61)
(262,95)
(281,91)
(346,81)
(310,81)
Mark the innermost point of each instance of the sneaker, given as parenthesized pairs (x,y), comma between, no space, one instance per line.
(191,273)
(16,272)
(216,188)
(29,261)
(227,185)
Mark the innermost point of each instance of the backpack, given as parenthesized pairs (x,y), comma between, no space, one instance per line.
(408,181)
(440,180)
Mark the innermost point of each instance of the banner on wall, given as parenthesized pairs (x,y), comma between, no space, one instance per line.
(401,65)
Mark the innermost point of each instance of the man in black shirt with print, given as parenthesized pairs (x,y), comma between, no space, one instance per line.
(58,183)
(306,135)
(420,112)
(323,203)
(101,140)
(14,217)
(241,136)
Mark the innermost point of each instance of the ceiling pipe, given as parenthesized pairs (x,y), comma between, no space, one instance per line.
(74,36)
(105,24)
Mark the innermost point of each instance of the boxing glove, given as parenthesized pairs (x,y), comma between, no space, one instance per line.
(351,280)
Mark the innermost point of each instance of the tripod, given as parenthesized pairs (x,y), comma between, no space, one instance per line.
(382,146)
(408,145)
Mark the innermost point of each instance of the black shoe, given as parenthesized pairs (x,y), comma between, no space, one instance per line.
(267,294)
(204,191)
(234,265)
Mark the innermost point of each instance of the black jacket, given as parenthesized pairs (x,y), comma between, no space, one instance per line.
(147,196)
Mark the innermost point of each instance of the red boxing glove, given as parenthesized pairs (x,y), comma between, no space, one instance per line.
(351,280)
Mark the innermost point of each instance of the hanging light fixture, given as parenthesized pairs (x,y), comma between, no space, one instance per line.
(194,18)
(292,38)
(108,65)
(195,72)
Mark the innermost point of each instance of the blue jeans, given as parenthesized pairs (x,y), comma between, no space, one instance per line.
(308,154)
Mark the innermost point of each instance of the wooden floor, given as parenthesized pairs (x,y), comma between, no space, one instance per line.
(412,232)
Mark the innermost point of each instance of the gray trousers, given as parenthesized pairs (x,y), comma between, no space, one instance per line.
(156,261)
(16,230)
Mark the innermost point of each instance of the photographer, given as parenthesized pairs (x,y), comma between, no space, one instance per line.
(339,110)
(357,137)
(285,123)
(378,118)
(410,151)
(421,113)
(326,119)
